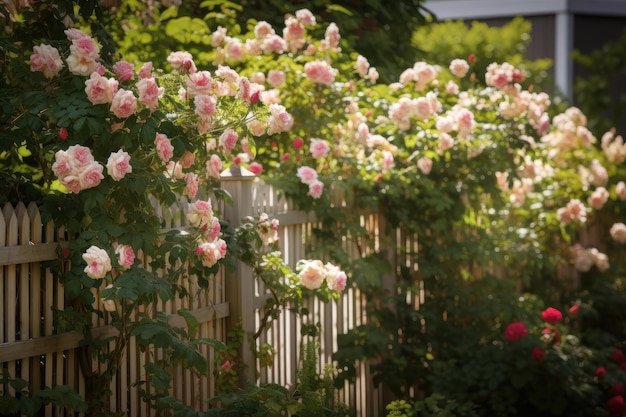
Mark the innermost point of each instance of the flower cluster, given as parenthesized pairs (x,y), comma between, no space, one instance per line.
(313,273)
(211,247)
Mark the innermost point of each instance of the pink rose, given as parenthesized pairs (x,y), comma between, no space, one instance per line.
(164,147)
(124,103)
(316,188)
(234,49)
(98,262)
(91,176)
(275,78)
(214,231)
(118,165)
(598,198)
(319,148)
(228,140)
(425,165)
(298,143)
(515,331)
(205,105)
(124,70)
(551,315)
(620,190)
(46,59)
(126,256)
(618,232)
(187,159)
(306,17)
(538,354)
(256,168)
(459,67)
(146,70)
(335,278)
(191,185)
(320,72)
(183,61)
(573,211)
(200,213)
(199,83)
(210,253)
(149,92)
(312,274)
(280,120)
(214,166)
(100,89)
(306,174)
(273,43)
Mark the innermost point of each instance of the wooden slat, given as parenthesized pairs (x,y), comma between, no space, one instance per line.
(23,254)
(71,340)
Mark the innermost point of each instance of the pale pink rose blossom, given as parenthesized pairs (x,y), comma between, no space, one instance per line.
(280,120)
(118,165)
(263,29)
(199,83)
(422,108)
(336,279)
(306,174)
(205,105)
(373,75)
(320,72)
(452,87)
(256,127)
(164,147)
(214,167)
(84,53)
(46,59)
(464,122)
(332,36)
(312,274)
(244,90)
(270,96)
(275,78)
(90,176)
(218,36)
(598,198)
(274,44)
(599,175)
(445,124)
(214,230)
(228,140)
(109,305)
(445,142)
(267,229)
(306,17)
(293,34)
(73,33)
(183,61)
(424,74)
(316,188)
(425,164)
(573,211)
(234,49)
(200,213)
(211,253)
(502,180)
(149,92)
(362,133)
(124,103)
(125,256)
(98,262)
(145,71)
(618,232)
(191,185)
(459,67)
(601,260)
(99,89)
(362,65)
(620,190)
(319,148)
(125,70)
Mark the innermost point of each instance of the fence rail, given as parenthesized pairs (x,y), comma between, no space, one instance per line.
(33,348)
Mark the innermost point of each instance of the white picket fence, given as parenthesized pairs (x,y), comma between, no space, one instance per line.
(33,348)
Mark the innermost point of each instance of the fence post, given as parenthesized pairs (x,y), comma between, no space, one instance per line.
(239,284)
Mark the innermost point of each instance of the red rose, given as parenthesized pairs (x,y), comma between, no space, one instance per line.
(538,354)
(600,372)
(515,331)
(618,356)
(552,315)
(573,310)
(615,406)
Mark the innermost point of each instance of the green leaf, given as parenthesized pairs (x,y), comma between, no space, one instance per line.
(190,319)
